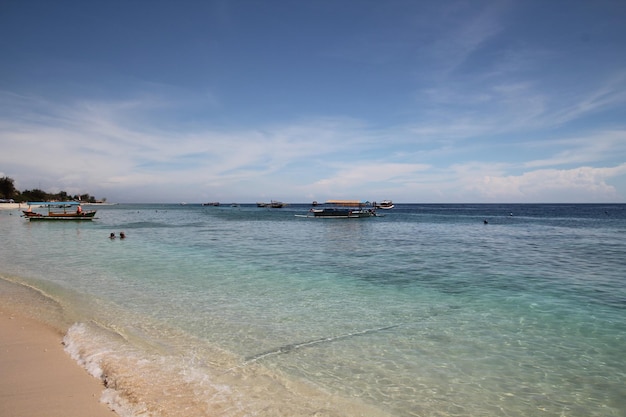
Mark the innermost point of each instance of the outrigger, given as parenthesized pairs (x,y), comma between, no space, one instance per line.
(59,211)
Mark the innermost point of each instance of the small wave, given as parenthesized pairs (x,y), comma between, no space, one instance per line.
(187,383)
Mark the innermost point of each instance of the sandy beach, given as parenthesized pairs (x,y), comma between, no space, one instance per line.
(38,377)
(12,206)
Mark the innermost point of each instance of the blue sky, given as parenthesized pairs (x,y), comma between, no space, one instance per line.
(245,101)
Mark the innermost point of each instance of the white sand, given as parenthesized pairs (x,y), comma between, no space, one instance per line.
(38,378)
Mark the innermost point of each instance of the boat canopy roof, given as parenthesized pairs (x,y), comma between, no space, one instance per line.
(53,203)
(347,203)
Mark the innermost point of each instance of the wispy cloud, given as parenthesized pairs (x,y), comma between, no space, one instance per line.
(592,148)
(441,102)
(306,158)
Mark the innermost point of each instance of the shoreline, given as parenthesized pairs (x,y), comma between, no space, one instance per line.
(39,377)
(20,206)
(12,206)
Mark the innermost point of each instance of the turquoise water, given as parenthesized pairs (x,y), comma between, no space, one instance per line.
(427,311)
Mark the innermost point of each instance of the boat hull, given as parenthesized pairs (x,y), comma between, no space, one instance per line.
(59,218)
(85,216)
(336,213)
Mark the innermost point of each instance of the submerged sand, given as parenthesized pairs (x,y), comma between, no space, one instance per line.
(38,378)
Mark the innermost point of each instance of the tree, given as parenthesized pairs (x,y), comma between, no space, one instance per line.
(34,195)
(7,188)
(8,192)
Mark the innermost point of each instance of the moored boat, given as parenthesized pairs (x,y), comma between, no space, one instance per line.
(343,209)
(272,204)
(59,211)
(385,205)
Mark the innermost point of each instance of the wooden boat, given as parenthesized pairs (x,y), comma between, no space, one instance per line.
(385,205)
(59,211)
(31,214)
(344,209)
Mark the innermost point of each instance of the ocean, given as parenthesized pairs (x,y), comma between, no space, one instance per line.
(246,311)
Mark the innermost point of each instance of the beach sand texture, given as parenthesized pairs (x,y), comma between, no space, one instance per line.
(38,378)
(13,206)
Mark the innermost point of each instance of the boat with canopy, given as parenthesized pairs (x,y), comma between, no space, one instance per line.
(344,209)
(59,210)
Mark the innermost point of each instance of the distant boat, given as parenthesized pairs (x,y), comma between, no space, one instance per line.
(343,209)
(272,204)
(385,205)
(58,211)
(213,203)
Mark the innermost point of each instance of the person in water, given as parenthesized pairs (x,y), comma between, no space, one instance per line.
(122,235)
(112,235)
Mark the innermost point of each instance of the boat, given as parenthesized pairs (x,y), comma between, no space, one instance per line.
(59,211)
(213,204)
(343,209)
(385,205)
(272,204)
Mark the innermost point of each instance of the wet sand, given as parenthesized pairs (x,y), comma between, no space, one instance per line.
(38,378)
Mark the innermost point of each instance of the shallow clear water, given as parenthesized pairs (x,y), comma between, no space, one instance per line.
(426,311)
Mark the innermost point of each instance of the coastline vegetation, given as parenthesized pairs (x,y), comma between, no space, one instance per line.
(8,193)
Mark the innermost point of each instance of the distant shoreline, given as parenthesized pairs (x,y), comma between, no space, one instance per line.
(19,206)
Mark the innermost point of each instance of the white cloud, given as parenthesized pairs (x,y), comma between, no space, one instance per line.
(577,185)
(100,148)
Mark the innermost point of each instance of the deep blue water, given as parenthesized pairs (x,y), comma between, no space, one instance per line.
(427,311)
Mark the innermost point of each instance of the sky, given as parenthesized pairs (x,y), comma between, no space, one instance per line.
(417,101)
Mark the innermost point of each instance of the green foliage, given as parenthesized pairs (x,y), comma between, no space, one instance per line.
(34,195)
(7,188)
(8,191)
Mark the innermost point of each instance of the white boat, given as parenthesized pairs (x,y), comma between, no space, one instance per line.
(385,205)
